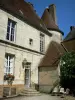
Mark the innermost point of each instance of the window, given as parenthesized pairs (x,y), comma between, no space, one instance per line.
(42,43)
(31,41)
(9,64)
(11,30)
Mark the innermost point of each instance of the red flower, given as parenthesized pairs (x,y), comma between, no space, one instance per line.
(9,77)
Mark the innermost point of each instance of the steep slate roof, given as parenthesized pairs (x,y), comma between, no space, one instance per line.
(71,34)
(25,11)
(69,41)
(48,20)
(52,55)
(47,17)
(69,45)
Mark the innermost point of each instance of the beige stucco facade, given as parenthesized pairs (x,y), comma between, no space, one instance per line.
(23,49)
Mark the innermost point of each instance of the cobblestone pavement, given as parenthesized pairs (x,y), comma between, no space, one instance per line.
(42,97)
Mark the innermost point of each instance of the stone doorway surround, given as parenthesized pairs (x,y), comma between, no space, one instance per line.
(27,78)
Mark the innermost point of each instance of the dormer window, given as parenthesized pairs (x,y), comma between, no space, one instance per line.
(11,30)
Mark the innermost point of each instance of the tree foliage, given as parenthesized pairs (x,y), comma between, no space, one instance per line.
(67,70)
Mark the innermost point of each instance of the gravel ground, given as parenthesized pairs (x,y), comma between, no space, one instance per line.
(69,98)
(42,97)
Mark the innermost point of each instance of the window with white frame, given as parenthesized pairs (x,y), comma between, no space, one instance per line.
(42,42)
(9,64)
(11,30)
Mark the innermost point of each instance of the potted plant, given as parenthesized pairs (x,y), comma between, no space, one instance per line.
(9,78)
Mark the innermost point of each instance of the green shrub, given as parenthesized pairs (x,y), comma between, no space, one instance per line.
(67,70)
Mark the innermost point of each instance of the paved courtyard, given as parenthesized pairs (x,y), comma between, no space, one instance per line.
(42,97)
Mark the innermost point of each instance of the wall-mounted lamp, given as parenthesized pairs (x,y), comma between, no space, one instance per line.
(24,63)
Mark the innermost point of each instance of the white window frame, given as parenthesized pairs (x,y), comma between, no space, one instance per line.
(10,36)
(7,68)
(42,43)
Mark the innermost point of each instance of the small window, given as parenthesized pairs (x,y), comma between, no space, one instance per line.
(42,42)
(11,30)
(31,41)
(9,64)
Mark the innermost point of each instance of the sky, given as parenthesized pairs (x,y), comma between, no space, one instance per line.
(65,12)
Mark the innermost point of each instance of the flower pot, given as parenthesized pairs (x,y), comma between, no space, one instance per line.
(9,82)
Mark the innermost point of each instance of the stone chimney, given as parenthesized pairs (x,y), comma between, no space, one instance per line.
(72,28)
(52,11)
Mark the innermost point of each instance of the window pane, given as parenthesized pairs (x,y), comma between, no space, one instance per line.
(8,29)
(7,37)
(11,70)
(6,69)
(12,31)
(12,37)
(9,22)
(13,24)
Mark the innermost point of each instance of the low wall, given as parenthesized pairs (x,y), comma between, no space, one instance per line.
(45,88)
(7,90)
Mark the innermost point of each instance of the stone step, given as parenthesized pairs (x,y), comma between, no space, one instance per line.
(29,92)
(22,94)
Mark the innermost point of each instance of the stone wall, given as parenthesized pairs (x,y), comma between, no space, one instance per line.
(47,77)
(1,91)
(10,90)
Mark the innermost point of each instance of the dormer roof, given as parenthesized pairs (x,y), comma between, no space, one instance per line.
(71,34)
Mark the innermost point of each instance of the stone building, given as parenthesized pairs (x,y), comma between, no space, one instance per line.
(48,67)
(69,41)
(24,40)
